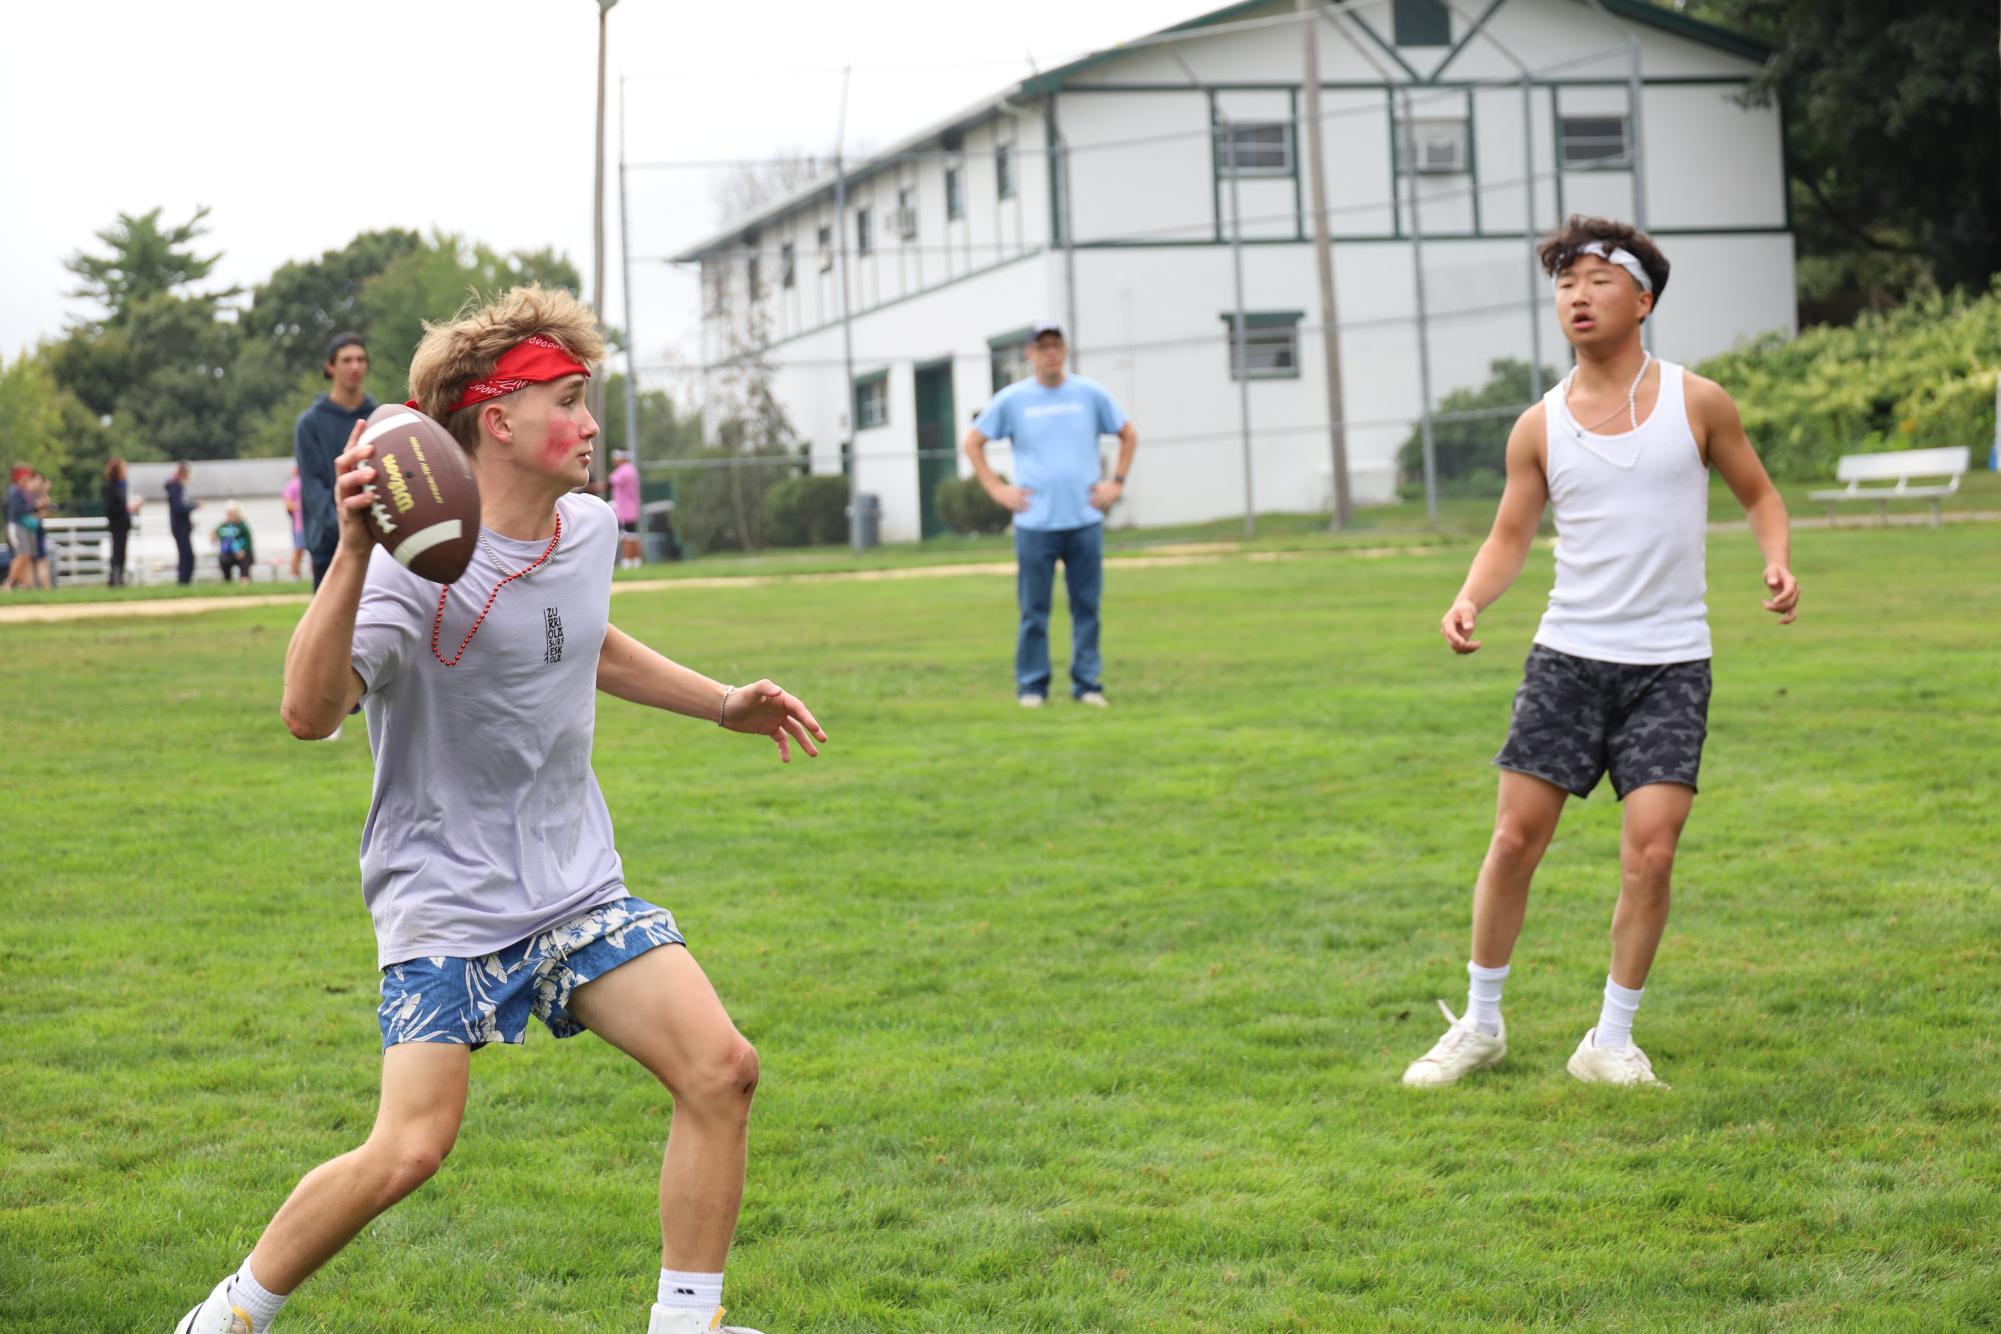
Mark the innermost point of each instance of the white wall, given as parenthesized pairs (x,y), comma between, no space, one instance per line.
(1153,283)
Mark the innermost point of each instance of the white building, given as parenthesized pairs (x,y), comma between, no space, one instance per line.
(1100,195)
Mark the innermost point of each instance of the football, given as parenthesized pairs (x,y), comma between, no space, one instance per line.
(425,510)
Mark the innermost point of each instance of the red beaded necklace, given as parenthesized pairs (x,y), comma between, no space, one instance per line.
(438,622)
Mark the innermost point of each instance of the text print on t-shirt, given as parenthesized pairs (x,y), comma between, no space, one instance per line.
(1052,410)
(552,627)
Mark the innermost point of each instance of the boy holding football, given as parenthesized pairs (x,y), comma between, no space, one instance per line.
(487,859)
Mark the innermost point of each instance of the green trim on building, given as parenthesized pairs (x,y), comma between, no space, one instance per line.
(835,323)
(1299,142)
(1012,338)
(1465,39)
(1388,48)
(1215,171)
(1264,319)
(1473,157)
(862,382)
(1695,30)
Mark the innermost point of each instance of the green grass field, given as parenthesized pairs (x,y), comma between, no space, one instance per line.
(1069,1021)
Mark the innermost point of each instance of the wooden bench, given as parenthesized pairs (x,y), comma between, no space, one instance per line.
(1902,467)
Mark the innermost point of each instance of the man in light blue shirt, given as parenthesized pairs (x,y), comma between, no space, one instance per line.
(1059,500)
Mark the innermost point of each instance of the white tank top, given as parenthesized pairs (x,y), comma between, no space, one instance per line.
(1632,511)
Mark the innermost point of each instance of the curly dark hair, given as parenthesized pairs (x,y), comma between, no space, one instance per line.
(1558,250)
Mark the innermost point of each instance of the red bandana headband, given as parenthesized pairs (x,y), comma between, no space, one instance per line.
(533,360)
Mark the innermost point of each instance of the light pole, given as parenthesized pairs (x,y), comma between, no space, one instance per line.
(597,236)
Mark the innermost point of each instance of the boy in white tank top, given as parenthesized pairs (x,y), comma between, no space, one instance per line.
(1618,679)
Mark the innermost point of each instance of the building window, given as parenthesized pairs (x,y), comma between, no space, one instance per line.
(826,249)
(1009,356)
(955,195)
(1422,23)
(872,401)
(788,265)
(1004,170)
(864,232)
(1271,344)
(906,214)
(1436,147)
(1256,148)
(752,272)
(1596,141)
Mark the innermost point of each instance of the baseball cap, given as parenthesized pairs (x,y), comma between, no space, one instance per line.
(1036,331)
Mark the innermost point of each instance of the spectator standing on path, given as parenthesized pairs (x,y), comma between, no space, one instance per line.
(625,506)
(180,522)
(298,517)
(1059,505)
(319,438)
(232,544)
(22,522)
(119,507)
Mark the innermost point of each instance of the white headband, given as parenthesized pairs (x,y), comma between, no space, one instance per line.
(1619,255)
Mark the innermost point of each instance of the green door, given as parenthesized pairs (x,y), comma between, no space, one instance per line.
(937,460)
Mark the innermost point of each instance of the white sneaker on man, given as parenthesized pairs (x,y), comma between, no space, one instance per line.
(1460,1052)
(216,1316)
(683,1321)
(1611,1065)
(1029,701)
(1095,698)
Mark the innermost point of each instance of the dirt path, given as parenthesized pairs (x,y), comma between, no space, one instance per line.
(1165,557)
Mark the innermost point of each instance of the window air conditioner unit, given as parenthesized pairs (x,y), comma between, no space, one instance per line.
(904,220)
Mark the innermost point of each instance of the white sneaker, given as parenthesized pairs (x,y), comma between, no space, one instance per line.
(1461,1051)
(691,1322)
(1029,701)
(1611,1065)
(1095,698)
(216,1316)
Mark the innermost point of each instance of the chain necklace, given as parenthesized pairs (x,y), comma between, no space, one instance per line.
(1578,432)
(438,622)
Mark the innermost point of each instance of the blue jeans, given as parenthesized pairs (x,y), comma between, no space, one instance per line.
(1036,551)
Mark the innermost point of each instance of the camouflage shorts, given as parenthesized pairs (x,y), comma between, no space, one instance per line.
(1577,718)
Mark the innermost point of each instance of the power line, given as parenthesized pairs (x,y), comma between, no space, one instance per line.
(750,361)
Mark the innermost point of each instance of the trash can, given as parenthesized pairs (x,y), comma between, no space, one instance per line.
(866,517)
(656,525)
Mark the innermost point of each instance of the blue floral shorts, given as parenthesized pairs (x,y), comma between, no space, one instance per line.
(489,999)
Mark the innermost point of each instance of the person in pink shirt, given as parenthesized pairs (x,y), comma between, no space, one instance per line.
(298,513)
(625,507)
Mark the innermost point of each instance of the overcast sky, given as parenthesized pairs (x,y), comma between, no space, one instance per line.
(300,125)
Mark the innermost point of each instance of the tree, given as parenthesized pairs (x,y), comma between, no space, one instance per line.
(1891,137)
(145,262)
(304,303)
(1469,452)
(431,283)
(749,186)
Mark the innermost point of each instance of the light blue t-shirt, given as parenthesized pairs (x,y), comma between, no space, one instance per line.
(1055,435)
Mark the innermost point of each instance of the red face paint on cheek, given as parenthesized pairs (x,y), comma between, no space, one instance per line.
(562,441)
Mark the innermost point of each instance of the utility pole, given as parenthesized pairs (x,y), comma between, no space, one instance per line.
(847,320)
(1323,255)
(597,233)
(625,282)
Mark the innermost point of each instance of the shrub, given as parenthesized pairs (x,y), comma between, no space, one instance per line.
(1471,454)
(806,511)
(1917,377)
(966,507)
(722,508)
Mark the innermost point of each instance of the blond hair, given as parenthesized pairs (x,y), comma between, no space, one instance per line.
(456,354)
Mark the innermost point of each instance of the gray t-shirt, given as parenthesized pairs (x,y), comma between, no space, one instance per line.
(487,824)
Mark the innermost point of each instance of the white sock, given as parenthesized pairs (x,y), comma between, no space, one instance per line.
(1615,1019)
(682,1291)
(262,1307)
(1483,997)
